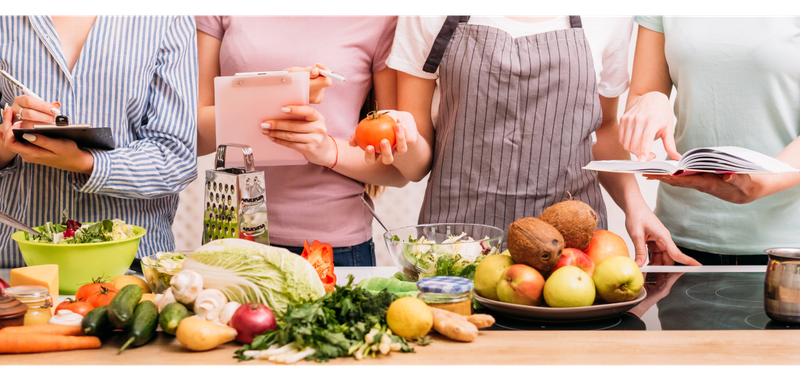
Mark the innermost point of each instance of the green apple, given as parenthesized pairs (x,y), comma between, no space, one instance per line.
(618,279)
(569,286)
(488,274)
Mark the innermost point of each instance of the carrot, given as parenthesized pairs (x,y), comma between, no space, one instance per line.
(35,343)
(45,328)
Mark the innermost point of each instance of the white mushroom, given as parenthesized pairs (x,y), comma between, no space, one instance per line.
(227,312)
(209,304)
(186,286)
(163,299)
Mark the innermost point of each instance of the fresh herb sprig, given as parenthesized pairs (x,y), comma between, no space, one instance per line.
(331,325)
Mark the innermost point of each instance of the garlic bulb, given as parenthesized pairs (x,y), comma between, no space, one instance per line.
(66,318)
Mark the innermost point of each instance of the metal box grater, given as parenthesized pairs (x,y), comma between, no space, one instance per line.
(235,206)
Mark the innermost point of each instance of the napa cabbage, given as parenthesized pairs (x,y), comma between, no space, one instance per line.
(250,272)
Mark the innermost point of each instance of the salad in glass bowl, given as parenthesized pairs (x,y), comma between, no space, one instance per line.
(446,249)
(159,268)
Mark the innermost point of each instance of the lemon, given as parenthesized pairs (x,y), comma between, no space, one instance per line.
(409,317)
(120,281)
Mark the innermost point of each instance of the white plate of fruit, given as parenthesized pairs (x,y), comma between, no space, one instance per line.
(559,267)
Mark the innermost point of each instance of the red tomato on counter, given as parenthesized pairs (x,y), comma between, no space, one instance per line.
(320,255)
(85,291)
(75,306)
(375,128)
(103,297)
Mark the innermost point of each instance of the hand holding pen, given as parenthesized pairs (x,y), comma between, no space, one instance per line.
(30,107)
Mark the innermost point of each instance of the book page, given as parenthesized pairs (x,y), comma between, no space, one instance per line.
(627,166)
(730,159)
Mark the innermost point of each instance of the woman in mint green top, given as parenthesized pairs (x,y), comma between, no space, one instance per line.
(738,84)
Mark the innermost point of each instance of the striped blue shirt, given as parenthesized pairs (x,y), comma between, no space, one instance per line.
(136,75)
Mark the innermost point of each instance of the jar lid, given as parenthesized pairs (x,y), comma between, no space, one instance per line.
(28,291)
(11,307)
(445,285)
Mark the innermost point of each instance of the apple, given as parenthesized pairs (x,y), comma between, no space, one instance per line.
(605,244)
(521,284)
(569,286)
(488,274)
(575,257)
(618,279)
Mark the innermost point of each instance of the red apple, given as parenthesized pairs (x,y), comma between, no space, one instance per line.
(574,257)
(605,244)
(521,284)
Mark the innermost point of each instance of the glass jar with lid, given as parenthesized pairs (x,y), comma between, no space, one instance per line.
(450,293)
(38,300)
(12,312)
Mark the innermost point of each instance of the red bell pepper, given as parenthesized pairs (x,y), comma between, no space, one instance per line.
(320,255)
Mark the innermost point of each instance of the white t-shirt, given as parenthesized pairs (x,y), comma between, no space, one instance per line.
(609,40)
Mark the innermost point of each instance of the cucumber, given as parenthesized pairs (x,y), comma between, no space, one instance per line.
(96,322)
(143,327)
(120,309)
(171,316)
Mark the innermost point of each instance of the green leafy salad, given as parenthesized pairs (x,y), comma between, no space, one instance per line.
(456,256)
(73,232)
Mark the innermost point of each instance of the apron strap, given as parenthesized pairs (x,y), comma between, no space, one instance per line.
(575,21)
(440,44)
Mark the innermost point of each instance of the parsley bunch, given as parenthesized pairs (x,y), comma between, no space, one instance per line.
(331,325)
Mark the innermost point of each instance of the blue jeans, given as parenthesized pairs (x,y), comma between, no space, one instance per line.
(359,255)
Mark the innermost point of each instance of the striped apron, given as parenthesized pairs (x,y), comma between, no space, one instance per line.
(515,123)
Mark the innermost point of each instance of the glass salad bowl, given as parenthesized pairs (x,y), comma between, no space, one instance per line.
(158,269)
(445,249)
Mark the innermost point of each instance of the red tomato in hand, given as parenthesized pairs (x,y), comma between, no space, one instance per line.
(375,128)
(85,291)
(103,297)
(75,306)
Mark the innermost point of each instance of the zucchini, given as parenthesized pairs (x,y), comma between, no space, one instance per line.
(143,327)
(171,316)
(120,309)
(96,322)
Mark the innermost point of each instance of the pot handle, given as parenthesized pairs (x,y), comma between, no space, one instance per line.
(247,153)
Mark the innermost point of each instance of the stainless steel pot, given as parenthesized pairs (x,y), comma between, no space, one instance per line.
(782,285)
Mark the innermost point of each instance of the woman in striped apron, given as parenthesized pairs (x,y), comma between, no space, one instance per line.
(515,124)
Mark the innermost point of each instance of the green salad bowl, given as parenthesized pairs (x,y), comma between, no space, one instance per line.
(79,264)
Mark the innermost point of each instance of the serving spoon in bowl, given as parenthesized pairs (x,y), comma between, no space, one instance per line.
(10,221)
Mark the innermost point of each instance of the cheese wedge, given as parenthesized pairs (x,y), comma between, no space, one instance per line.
(44,275)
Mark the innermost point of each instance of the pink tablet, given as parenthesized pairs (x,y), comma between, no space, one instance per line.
(243,102)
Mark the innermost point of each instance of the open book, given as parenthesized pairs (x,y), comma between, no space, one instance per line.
(718,160)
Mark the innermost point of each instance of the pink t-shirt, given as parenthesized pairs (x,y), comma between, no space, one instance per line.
(309,202)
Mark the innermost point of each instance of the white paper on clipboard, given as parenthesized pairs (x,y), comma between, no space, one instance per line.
(242,102)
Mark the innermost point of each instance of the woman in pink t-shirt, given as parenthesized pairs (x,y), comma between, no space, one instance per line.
(320,200)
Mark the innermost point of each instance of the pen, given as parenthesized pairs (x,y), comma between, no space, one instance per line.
(25,90)
(333,75)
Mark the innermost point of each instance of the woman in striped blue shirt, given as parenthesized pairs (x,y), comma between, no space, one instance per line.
(135,75)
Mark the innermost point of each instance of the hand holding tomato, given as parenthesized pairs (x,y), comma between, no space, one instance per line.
(377,142)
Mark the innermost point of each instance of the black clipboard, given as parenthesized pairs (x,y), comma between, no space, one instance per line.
(84,137)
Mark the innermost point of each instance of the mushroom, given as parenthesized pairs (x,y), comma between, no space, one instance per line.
(186,286)
(227,312)
(209,304)
(163,299)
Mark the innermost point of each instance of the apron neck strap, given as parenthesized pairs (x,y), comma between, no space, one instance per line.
(575,21)
(440,44)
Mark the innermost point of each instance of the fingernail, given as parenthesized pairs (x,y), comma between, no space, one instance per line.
(55,111)
(272,139)
(29,137)
(265,125)
(286,109)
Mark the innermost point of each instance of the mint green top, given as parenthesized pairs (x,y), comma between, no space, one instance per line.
(738,84)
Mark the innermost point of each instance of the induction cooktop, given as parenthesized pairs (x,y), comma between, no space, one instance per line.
(678,301)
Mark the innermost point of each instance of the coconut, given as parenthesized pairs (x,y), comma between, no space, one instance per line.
(535,243)
(575,220)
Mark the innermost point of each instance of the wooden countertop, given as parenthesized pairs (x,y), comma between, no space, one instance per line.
(603,347)
(490,348)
